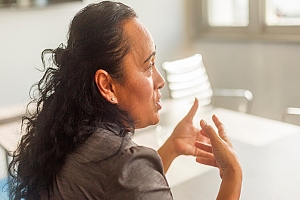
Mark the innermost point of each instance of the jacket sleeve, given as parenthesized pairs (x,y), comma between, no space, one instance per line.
(139,175)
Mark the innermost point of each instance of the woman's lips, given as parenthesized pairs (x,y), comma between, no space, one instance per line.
(159,104)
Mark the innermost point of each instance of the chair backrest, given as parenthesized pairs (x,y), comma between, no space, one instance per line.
(187,78)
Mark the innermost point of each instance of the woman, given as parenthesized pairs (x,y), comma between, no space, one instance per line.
(103,85)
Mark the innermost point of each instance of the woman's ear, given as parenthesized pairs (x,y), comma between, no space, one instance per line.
(104,83)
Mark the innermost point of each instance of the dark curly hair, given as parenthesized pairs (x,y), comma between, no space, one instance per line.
(68,106)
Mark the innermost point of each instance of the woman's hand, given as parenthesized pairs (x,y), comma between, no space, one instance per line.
(220,153)
(182,140)
(185,135)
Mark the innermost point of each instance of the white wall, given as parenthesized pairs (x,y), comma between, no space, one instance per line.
(270,70)
(23,36)
(25,33)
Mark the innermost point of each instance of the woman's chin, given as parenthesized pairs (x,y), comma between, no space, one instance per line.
(151,123)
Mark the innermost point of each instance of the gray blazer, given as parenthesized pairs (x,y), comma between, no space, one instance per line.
(110,167)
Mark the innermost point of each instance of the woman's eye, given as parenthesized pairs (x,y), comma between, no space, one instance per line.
(149,70)
(152,64)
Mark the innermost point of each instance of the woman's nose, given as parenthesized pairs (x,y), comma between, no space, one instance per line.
(159,80)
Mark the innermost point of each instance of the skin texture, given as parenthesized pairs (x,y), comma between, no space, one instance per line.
(140,92)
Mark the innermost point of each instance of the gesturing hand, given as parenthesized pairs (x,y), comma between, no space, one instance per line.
(182,140)
(219,152)
(185,135)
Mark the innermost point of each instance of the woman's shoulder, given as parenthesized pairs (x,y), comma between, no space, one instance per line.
(129,151)
(137,172)
(135,158)
(101,145)
(106,144)
(119,168)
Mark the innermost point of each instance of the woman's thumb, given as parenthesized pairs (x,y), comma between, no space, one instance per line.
(210,132)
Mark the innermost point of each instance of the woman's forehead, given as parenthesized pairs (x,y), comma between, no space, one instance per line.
(140,40)
(138,34)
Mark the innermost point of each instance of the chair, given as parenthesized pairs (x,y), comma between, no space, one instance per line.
(291,115)
(187,78)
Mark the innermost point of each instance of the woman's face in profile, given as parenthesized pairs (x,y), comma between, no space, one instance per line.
(139,94)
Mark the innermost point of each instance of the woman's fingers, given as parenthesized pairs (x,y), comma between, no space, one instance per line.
(207,161)
(222,156)
(209,131)
(221,147)
(205,155)
(202,132)
(221,129)
(203,147)
(219,125)
(192,111)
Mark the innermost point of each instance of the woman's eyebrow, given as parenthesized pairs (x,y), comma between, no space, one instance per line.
(152,54)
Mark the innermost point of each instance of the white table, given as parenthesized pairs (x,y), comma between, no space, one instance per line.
(268,150)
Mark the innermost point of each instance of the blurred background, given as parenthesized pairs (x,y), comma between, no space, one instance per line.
(252,45)
(245,44)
